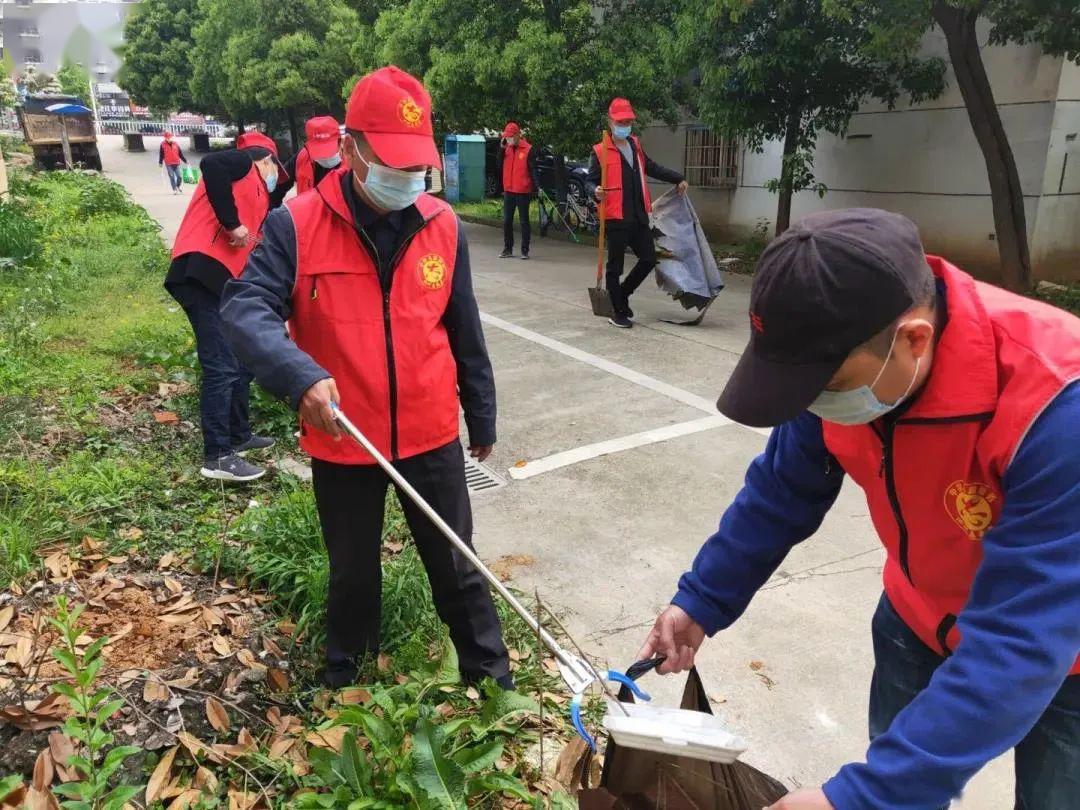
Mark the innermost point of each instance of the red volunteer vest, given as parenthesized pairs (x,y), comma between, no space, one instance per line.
(201,232)
(933,480)
(172,153)
(305,171)
(388,353)
(515,171)
(612,204)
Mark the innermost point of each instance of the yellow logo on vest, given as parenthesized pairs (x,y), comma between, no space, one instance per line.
(432,271)
(971,506)
(410,112)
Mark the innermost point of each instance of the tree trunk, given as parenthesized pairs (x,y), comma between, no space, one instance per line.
(791,144)
(294,134)
(1010,220)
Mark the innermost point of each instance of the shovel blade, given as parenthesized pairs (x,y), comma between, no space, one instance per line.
(601,302)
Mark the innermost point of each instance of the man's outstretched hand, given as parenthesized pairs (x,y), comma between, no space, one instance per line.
(315,407)
(675,636)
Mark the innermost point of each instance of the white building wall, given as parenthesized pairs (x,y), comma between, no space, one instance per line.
(925,163)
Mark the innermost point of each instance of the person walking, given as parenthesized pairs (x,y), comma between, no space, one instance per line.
(625,204)
(372,277)
(170,155)
(520,183)
(220,227)
(954,405)
(317,157)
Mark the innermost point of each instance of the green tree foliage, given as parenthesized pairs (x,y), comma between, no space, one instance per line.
(74,80)
(1052,24)
(9,97)
(551,66)
(785,70)
(158,38)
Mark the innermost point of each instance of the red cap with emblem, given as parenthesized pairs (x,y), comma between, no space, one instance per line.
(393,111)
(620,110)
(322,137)
(511,130)
(256,140)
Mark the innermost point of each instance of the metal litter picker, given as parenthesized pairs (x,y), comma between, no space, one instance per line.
(638,726)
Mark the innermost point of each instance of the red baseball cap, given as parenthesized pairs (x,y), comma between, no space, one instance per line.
(256,140)
(620,110)
(511,130)
(167,134)
(393,111)
(322,137)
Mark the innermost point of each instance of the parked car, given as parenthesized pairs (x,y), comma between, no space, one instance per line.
(557,175)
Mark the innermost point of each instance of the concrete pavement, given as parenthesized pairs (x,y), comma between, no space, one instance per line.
(614,517)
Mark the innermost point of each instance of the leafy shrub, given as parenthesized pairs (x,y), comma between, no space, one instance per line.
(20,235)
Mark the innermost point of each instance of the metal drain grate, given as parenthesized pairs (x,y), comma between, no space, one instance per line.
(481,478)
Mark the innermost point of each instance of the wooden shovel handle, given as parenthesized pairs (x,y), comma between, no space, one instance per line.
(600,210)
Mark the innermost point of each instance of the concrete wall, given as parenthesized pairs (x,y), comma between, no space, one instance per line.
(924,162)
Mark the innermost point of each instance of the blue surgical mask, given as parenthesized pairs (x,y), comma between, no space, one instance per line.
(859,406)
(330,162)
(621,130)
(271,181)
(392,189)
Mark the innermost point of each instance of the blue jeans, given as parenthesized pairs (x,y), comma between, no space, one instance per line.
(1047,760)
(223,398)
(174,175)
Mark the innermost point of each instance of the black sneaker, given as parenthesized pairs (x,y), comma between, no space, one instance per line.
(337,677)
(621,321)
(506,254)
(525,256)
(231,468)
(254,443)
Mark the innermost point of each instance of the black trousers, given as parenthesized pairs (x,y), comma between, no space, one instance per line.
(350,501)
(638,238)
(520,203)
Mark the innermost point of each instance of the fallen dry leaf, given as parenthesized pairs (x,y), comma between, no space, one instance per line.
(154,691)
(179,618)
(216,714)
(62,749)
(353,695)
(247,658)
(14,800)
(160,777)
(166,418)
(130,533)
(756,665)
(197,747)
(383,662)
(241,800)
(36,715)
(331,738)
(472,694)
(272,648)
(205,780)
(7,613)
(221,646)
(172,585)
(402,678)
(167,560)
(279,746)
(43,770)
(41,800)
(550,665)
(278,680)
(119,634)
(185,800)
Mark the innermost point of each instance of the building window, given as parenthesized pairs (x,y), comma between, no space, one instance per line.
(711,160)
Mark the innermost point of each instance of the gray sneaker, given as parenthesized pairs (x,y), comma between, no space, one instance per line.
(231,468)
(254,443)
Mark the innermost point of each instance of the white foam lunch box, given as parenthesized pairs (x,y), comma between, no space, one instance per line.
(673,731)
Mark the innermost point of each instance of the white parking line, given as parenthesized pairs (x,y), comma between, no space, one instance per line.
(590,451)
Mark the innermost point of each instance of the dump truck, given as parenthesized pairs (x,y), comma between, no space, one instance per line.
(41,129)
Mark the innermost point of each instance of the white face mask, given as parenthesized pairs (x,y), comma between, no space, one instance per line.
(859,406)
(330,162)
(391,189)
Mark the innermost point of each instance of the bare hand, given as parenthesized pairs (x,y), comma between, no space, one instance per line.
(315,407)
(238,237)
(806,799)
(675,636)
(682,187)
(600,193)
(480,451)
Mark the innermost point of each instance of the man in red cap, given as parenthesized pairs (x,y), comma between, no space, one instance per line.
(317,158)
(170,155)
(626,204)
(519,183)
(372,276)
(219,229)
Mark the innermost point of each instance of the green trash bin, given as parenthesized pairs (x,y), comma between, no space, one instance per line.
(463,168)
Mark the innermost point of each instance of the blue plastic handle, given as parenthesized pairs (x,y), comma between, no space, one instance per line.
(618,677)
(575,718)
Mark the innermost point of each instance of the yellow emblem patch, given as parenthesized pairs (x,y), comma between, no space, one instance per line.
(971,506)
(432,270)
(411,113)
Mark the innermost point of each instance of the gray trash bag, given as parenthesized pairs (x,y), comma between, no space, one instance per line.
(687,269)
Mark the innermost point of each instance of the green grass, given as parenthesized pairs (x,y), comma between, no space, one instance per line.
(491,209)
